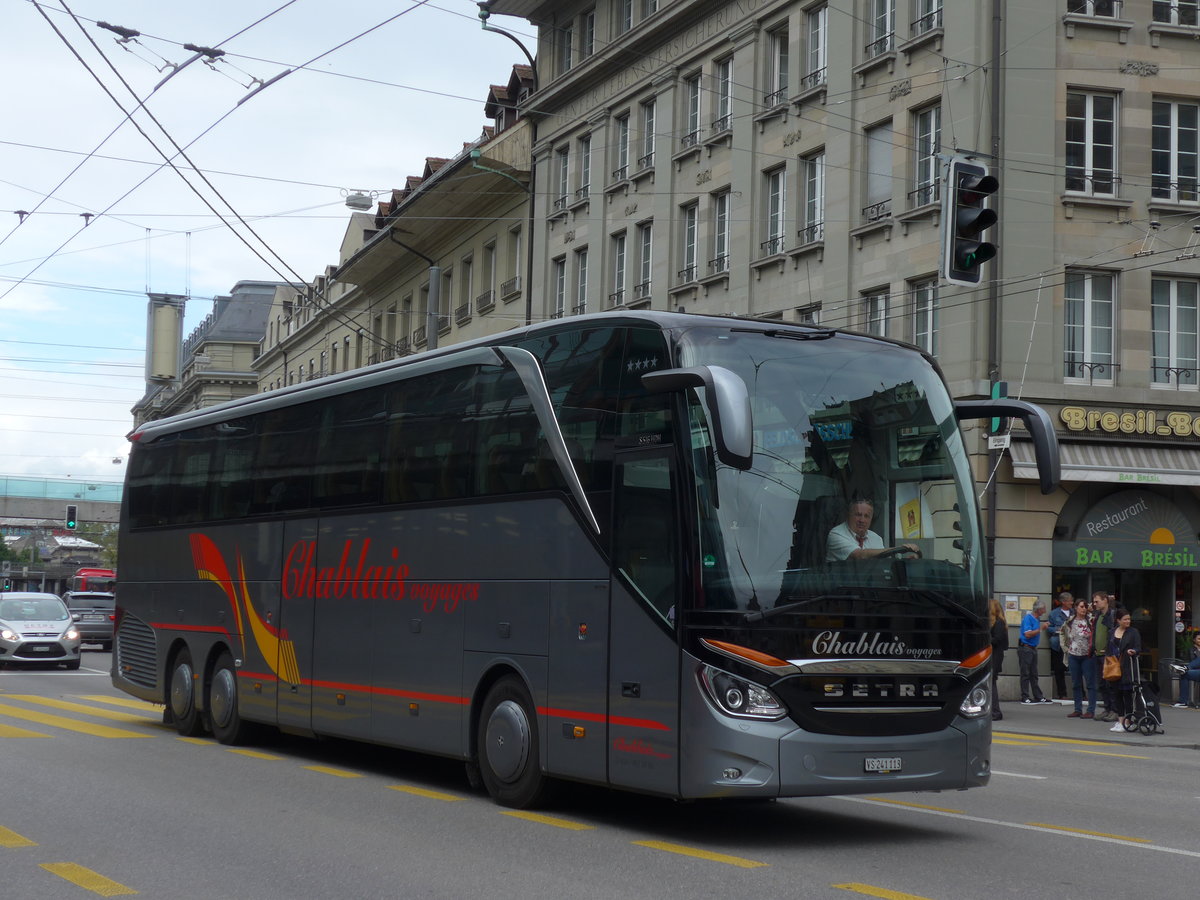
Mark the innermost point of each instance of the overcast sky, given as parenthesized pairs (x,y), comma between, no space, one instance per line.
(73,288)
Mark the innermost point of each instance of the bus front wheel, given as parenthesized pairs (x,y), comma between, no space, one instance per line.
(509,763)
(183,695)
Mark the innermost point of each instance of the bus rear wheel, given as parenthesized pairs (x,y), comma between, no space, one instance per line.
(509,762)
(228,726)
(182,700)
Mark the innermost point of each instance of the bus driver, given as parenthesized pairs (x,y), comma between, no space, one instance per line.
(854,539)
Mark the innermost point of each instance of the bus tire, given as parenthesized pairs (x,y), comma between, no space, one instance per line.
(509,762)
(224,717)
(182,696)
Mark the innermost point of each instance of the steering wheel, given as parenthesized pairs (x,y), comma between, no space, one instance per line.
(897,551)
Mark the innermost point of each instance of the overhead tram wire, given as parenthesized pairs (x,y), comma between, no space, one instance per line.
(168,161)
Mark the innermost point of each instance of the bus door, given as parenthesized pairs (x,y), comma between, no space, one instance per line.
(643,651)
(295,622)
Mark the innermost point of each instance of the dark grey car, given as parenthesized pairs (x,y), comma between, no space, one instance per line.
(93,612)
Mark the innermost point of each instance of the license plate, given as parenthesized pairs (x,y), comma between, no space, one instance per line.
(38,650)
(92,618)
(883,764)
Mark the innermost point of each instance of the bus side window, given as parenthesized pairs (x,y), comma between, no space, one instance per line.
(644,547)
(284,461)
(351,442)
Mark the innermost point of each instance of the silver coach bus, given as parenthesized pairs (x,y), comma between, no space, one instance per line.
(599,549)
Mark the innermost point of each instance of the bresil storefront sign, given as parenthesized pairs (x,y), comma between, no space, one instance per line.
(1131,530)
(1130,421)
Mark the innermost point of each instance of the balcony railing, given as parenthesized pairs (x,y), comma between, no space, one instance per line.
(620,173)
(581,192)
(616,298)
(1102,9)
(579,309)
(721,124)
(927,23)
(560,203)
(810,234)
(687,273)
(813,79)
(646,162)
(771,246)
(880,46)
(719,264)
(485,301)
(511,287)
(924,195)
(419,335)
(775,98)
(641,291)
(877,211)
(691,139)
(462,313)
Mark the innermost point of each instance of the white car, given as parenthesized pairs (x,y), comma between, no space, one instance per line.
(37,628)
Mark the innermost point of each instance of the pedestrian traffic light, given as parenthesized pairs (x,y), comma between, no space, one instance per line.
(72,518)
(965,216)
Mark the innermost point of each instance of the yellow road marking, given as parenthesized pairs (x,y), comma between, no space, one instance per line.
(204,742)
(69,724)
(67,706)
(127,702)
(1016,743)
(253,754)
(1118,755)
(738,861)
(88,880)
(1039,739)
(10,838)
(329,770)
(14,732)
(872,891)
(422,792)
(1103,834)
(548,820)
(915,805)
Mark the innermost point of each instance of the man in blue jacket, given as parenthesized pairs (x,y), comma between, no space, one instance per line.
(1031,635)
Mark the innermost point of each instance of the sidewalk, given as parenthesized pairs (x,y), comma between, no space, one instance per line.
(1181,726)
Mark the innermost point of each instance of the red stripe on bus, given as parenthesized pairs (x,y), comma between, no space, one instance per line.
(600,717)
(171,626)
(389,692)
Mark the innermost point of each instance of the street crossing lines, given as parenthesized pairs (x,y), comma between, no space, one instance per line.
(80,726)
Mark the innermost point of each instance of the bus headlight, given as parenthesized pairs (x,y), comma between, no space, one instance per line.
(737,697)
(978,701)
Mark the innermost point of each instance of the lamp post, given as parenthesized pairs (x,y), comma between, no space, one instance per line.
(485,11)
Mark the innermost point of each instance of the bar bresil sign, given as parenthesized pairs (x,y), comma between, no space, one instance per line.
(1130,421)
(1131,530)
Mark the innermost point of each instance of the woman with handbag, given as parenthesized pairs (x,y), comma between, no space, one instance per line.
(999,641)
(1125,644)
(1076,640)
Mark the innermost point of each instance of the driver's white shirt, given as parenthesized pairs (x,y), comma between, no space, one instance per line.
(842,542)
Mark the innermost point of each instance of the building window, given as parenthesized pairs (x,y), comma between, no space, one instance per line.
(929,17)
(691,123)
(587,34)
(777,71)
(875,312)
(566,39)
(641,290)
(1091,143)
(1173,322)
(721,234)
(512,284)
(585,167)
(649,8)
(1173,154)
(624,15)
(881,27)
(776,204)
(621,168)
(617,297)
(689,248)
(927,131)
(809,315)
(646,160)
(558,276)
(562,174)
(924,314)
(581,277)
(879,173)
(1176,12)
(815,59)
(1103,8)
(814,198)
(1088,326)
(723,96)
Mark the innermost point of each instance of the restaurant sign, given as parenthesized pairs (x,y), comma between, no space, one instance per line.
(1131,530)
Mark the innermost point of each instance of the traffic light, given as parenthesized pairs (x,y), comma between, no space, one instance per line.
(964,217)
(72,518)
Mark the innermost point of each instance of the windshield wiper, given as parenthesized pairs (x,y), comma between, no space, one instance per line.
(763,614)
(814,333)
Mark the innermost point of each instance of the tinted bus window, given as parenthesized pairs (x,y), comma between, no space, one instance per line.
(284,460)
(350,449)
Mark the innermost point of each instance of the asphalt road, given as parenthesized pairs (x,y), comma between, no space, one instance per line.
(99,799)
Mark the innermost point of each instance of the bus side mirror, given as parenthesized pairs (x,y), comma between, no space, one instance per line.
(1037,423)
(728,404)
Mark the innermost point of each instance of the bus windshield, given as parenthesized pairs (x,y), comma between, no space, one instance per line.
(858,488)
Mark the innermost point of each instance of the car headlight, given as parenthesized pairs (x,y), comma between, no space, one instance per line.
(9,635)
(978,701)
(738,697)
(71,633)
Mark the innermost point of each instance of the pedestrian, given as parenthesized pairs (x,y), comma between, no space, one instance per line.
(1102,622)
(1191,673)
(1125,643)
(1077,635)
(1032,627)
(1054,622)
(999,645)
